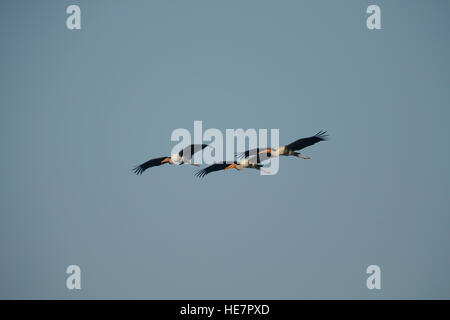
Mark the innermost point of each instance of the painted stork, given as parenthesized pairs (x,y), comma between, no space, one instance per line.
(288,150)
(184,156)
(251,163)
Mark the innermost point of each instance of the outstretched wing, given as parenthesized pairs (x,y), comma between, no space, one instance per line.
(191,149)
(255,151)
(306,142)
(212,168)
(150,163)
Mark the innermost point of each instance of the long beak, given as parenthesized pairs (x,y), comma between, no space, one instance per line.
(166,160)
(230,166)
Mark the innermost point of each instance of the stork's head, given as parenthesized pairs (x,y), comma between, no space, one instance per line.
(267,153)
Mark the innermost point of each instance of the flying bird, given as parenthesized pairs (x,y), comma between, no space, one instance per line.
(184,156)
(252,163)
(287,150)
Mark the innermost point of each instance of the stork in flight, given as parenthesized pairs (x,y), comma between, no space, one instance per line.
(184,156)
(288,150)
(252,163)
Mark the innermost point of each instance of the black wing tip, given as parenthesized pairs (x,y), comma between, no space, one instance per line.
(138,170)
(322,135)
(200,174)
(244,154)
(240,155)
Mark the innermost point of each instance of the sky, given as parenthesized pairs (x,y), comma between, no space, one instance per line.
(80,108)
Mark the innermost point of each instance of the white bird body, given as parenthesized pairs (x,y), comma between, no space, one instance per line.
(175,158)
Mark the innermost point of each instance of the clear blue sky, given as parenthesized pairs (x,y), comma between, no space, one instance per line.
(78,109)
